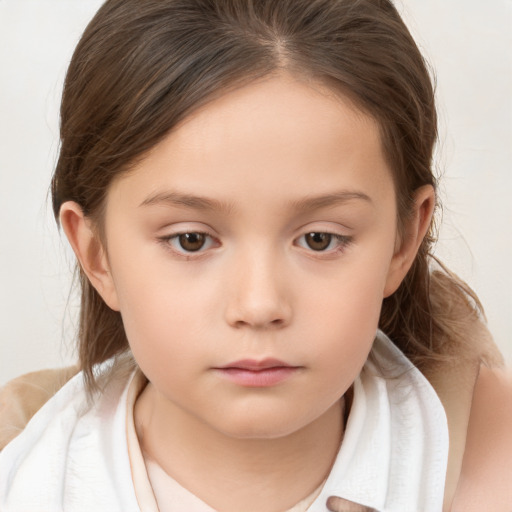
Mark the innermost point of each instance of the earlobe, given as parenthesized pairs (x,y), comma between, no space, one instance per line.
(89,251)
(415,231)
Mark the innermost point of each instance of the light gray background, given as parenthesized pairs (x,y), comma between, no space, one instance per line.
(469,43)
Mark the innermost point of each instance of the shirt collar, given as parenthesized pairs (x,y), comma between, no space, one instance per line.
(395,449)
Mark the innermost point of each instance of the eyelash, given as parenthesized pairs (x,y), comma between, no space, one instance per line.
(341,242)
(167,241)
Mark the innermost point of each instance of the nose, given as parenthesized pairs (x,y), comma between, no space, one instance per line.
(258,295)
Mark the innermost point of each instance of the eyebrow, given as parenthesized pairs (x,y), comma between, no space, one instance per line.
(329,200)
(208,204)
(188,201)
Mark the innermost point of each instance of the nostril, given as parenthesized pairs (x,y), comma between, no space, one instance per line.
(277,323)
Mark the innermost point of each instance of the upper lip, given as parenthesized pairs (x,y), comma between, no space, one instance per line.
(256,365)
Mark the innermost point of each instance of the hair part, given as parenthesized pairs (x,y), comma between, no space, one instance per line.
(142,66)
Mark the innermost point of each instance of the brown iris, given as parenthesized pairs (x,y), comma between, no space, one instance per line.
(318,241)
(192,242)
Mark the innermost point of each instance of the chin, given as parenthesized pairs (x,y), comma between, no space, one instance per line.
(261,425)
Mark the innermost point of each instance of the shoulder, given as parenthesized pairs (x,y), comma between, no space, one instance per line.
(486,471)
(22,397)
(477,397)
(41,424)
(60,454)
(478,405)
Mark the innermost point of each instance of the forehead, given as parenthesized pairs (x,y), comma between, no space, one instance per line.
(276,113)
(276,136)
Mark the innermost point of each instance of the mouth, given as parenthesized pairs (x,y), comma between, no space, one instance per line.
(257,373)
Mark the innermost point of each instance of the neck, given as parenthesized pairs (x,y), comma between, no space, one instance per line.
(231,473)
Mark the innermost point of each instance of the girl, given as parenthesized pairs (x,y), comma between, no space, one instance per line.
(247,187)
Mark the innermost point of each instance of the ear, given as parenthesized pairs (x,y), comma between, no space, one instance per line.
(408,245)
(89,251)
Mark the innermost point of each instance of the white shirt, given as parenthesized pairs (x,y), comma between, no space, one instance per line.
(74,457)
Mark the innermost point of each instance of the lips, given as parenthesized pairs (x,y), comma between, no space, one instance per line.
(257,373)
(255,365)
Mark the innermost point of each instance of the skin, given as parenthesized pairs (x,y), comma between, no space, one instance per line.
(486,473)
(262,156)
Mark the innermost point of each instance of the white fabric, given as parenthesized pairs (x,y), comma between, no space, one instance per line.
(71,457)
(395,451)
(74,457)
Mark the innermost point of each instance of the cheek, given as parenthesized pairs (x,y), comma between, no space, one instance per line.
(165,318)
(160,309)
(343,317)
(349,298)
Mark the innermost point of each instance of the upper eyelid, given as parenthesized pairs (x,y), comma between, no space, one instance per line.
(340,237)
(333,227)
(171,230)
(333,232)
(187,232)
(209,233)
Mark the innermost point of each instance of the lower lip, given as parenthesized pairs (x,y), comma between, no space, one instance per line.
(258,378)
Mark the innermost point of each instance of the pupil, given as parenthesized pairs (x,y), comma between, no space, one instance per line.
(192,241)
(318,241)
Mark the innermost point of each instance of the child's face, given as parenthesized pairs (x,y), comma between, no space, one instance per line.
(289,207)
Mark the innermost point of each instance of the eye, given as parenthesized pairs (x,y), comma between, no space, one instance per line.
(189,242)
(321,242)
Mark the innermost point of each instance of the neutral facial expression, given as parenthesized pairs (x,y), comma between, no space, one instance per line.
(250,253)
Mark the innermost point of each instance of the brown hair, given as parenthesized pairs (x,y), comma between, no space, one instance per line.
(143,65)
